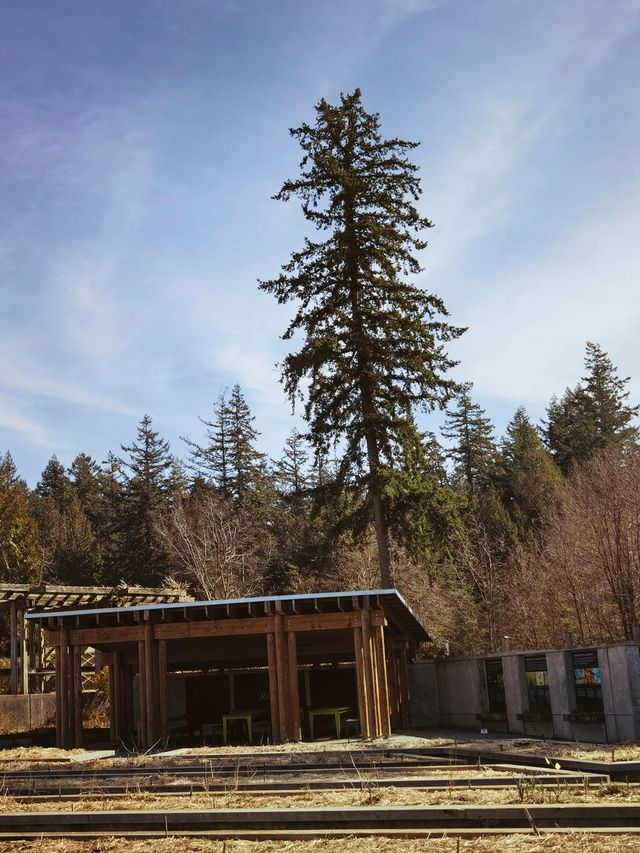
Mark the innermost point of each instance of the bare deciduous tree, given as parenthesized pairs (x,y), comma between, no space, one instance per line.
(216,546)
(590,564)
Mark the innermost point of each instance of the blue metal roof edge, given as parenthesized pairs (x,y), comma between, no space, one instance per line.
(224,601)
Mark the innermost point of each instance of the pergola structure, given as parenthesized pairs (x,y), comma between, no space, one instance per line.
(374,632)
(30,664)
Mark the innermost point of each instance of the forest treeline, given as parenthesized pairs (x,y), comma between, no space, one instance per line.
(532,535)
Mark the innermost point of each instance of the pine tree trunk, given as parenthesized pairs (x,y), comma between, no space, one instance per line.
(366,396)
(379,518)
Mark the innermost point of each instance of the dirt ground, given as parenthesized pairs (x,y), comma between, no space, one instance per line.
(371,795)
(423,740)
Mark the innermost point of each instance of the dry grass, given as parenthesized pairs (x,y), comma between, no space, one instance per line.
(553,748)
(370,795)
(565,843)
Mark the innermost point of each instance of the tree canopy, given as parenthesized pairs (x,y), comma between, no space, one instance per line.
(373,343)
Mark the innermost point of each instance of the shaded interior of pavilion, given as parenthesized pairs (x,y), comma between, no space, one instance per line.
(262,670)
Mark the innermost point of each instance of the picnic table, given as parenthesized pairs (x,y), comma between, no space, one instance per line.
(335,712)
(248,716)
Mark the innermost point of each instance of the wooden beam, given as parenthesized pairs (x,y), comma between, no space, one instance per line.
(363,709)
(163,691)
(24,657)
(383,684)
(368,672)
(150,683)
(273,688)
(58,668)
(142,696)
(76,661)
(403,672)
(64,687)
(283,678)
(13,634)
(113,737)
(392,677)
(116,695)
(375,673)
(127,699)
(220,627)
(295,733)
(103,636)
(213,628)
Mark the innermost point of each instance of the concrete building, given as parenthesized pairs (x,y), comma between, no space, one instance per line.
(585,694)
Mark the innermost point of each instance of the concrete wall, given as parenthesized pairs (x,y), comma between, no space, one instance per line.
(620,667)
(24,713)
(462,692)
(515,691)
(459,689)
(424,707)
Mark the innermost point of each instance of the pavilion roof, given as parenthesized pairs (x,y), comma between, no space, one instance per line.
(395,607)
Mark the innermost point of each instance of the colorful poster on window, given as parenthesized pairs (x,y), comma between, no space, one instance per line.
(588,675)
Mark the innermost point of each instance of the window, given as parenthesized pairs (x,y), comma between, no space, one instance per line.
(538,683)
(588,681)
(495,685)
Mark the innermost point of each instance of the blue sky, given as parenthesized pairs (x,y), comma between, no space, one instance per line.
(142,141)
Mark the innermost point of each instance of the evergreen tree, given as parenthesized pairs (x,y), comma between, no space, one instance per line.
(54,483)
(149,489)
(473,449)
(84,475)
(229,458)
(373,346)
(111,523)
(591,416)
(569,430)
(70,549)
(608,393)
(247,465)
(211,461)
(291,470)
(20,559)
(529,480)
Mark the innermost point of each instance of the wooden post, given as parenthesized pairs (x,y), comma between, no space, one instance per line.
(383,684)
(58,659)
(64,687)
(113,737)
(368,673)
(403,681)
(13,634)
(295,732)
(24,656)
(149,668)
(363,709)
(142,695)
(392,678)
(71,713)
(282,675)
(273,688)
(163,703)
(77,695)
(127,699)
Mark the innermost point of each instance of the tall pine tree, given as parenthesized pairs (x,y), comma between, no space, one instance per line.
(20,558)
(530,482)
(229,459)
(373,342)
(149,490)
(593,415)
(473,449)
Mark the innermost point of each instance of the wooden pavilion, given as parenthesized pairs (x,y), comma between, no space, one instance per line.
(30,667)
(373,634)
